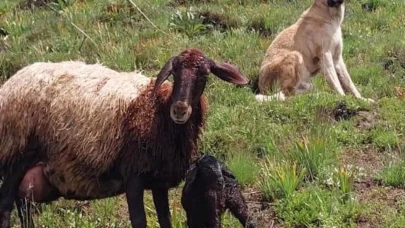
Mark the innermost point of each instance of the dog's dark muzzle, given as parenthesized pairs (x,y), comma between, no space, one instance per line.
(335,3)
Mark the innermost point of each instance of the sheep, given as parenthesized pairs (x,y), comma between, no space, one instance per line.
(93,132)
(211,188)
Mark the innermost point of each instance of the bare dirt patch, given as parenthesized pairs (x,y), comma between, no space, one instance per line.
(175,3)
(261,211)
(260,27)
(123,13)
(4,40)
(395,59)
(342,112)
(379,201)
(368,159)
(368,7)
(220,22)
(31,4)
(364,119)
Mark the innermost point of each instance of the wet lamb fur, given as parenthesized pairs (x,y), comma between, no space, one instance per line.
(102,133)
(210,190)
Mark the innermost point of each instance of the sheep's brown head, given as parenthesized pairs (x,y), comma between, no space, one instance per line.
(190,70)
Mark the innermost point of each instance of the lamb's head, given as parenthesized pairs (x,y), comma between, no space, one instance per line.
(208,171)
(190,70)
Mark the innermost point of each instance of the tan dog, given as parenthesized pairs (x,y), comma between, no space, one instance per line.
(314,43)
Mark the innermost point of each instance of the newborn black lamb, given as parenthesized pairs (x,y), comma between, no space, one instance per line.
(210,189)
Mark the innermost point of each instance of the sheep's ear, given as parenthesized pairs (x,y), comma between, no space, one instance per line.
(191,174)
(164,73)
(228,73)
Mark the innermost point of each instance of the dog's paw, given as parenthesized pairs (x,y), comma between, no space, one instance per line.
(262,98)
(369,100)
(276,97)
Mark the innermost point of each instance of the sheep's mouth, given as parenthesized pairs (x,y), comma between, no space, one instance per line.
(180,112)
(180,121)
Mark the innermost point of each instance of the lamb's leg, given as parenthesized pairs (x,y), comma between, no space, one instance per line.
(134,193)
(239,209)
(20,211)
(24,213)
(161,201)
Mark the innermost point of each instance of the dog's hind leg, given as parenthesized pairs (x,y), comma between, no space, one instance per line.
(288,71)
(305,83)
(291,73)
(268,76)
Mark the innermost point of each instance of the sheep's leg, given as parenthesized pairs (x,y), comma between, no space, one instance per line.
(9,192)
(20,211)
(24,213)
(134,193)
(161,201)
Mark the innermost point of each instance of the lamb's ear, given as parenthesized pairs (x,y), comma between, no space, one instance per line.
(164,73)
(227,172)
(191,174)
(228,72)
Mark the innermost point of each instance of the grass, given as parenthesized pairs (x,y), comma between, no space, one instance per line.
(312,156)
(393,175)
(280,180)
(294,153)
(317,207)
(244,167)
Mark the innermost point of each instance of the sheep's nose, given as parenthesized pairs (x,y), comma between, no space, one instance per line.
(180,112)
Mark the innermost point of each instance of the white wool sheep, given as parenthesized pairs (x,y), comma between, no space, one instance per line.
(85,132)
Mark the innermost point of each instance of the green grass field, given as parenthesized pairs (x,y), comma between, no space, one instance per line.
(299,164)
